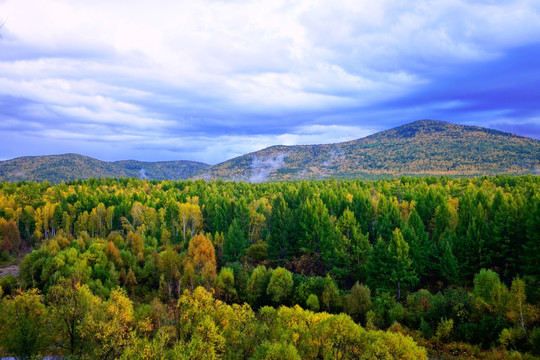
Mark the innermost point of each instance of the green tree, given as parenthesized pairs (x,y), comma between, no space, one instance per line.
(23,325)
(316,230)
(420,249)
(70,305)
(280,244)
(280,286)
(390,266)
(225,284)
(258,284)
(358,302)
(236,242)
(448,265)
(312,302)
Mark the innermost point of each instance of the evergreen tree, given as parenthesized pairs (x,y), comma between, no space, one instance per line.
(316,227)
(420,250)
(236,242)
(448,265)
(400,266)
(280,244)
(531,253)
(389,217)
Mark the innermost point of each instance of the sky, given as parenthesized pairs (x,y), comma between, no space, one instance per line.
(210,80)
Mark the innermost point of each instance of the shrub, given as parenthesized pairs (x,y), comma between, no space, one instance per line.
(444,330)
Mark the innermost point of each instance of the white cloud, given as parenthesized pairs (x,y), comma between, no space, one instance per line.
(171,69)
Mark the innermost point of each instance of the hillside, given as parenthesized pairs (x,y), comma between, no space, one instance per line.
(424,147)
(57,168)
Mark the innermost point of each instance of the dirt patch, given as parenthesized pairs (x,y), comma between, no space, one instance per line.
(9,270)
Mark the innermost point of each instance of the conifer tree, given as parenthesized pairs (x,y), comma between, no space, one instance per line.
(236,243)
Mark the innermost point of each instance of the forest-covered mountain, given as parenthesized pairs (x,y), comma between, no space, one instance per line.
(57,168)
(424,147)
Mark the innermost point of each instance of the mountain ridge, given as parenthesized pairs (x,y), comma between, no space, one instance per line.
(422,147)
(71,166)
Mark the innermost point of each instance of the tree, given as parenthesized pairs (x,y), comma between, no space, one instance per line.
(236,242)
(278,350)
(518,307)
(6,245)
(109,325)
(135,243)
(201,251)
(448,265)
(390,266)
(130,281)
(71,303)
(258,284)
(280,286)
(358,302)
(312,302)
(330,297)
(389,217)
(170,265)
(202,256)
(420,250)
(315,227)
(225,284)
(23,325)
(258,212)
(280,246)
(489,293)
(190,216)
(10,230)
(401,271)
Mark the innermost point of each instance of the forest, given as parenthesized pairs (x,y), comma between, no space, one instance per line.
(405,268)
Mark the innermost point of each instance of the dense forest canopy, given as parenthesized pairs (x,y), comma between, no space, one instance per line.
(319,269)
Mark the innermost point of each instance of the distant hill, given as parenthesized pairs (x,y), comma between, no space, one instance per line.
(57,168)
(424,147)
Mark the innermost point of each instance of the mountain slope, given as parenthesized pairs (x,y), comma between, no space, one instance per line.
(57,168)
(424,147)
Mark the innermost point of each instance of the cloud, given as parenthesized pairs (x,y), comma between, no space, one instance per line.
(210,79)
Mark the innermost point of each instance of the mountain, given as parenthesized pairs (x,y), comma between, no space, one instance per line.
(57,168)
(424,147)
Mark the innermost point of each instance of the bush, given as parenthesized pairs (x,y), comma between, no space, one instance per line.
(312,302)
(268,351)
(513,338)
(534,341)
(9,284)
(489,329)
(395,314)
(444,330)
(425,329)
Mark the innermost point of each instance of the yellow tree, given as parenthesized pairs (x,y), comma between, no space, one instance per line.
(109,325)
(202,256)
(190,216)
(137,213)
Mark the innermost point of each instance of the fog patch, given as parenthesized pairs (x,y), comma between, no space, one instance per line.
(142,175)
(261,169)
(335,157)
